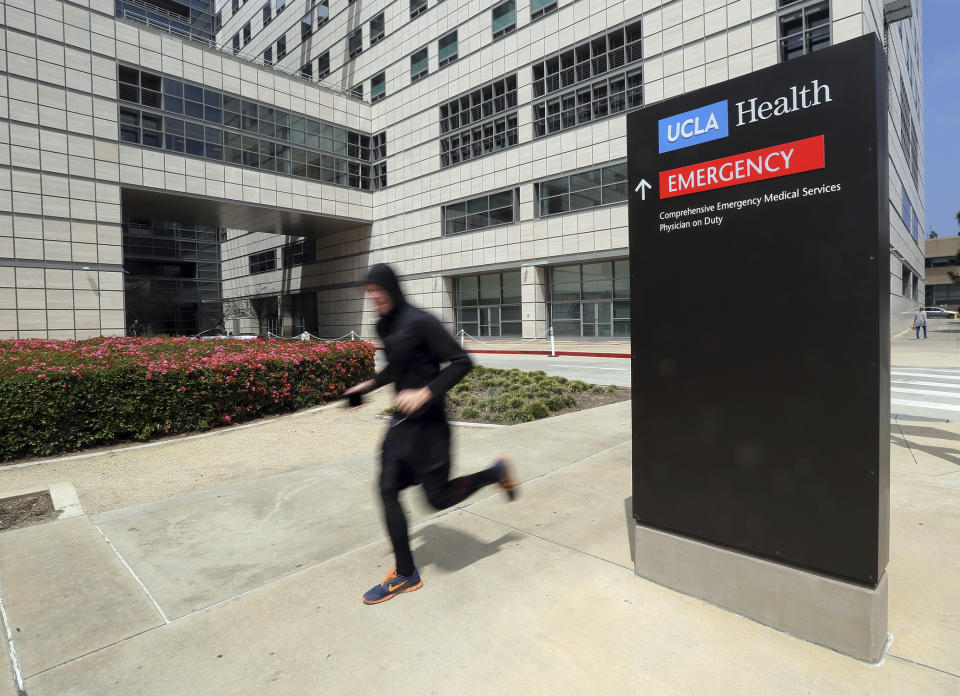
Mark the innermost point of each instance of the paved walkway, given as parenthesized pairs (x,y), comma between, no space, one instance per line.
(940,349)
(254,587)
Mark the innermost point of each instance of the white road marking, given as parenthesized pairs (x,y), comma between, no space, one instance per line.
(928,374)
(920,383)
(926,404)
(931,392)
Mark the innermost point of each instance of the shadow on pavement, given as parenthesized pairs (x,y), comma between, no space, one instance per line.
(946,454)
(450,549)
(926,431)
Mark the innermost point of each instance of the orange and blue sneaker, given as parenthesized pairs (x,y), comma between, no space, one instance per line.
(391,586)
(505,477)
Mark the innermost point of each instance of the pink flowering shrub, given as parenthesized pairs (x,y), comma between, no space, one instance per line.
(59,396)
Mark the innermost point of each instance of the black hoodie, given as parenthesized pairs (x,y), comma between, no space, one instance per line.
(416,343)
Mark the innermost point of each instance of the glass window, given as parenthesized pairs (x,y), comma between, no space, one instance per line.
(306,25)
(490,289)
(323,65)
(478,213)
(477,134)
(246,33)
(504,18)
(268,55)
(804,27)
(538,8)
(355,41)
(281,47)
(417,7)
(469,291)
(378,87)
(129,126)
(267,14)
(377,29)
(263,261)
(602,186)
(447,49)
(418,64)
(511,287)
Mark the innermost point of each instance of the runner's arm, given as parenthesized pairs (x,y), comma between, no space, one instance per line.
(444,348)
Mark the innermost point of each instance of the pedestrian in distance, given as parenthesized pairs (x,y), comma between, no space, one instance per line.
(136,328)
(416,449)
(920,321)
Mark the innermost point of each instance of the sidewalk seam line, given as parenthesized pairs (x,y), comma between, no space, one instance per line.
(11,650)
(95,650)
(909,447)
(132,573)
(922,664)
(225,600)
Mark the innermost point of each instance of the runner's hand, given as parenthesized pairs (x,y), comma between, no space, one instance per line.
(361,388)
(410,400)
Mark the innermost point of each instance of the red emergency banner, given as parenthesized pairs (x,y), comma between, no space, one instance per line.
(769,163)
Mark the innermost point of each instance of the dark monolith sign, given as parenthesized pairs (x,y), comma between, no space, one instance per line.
(759,249)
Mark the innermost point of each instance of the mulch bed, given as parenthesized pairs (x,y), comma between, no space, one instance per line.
(27,510)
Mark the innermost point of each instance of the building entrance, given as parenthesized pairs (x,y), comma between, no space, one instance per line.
(597,320)
(489,321)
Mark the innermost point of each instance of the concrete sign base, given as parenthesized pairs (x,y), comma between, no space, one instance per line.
(848,618)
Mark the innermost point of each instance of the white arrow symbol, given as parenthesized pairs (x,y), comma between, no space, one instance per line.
(644,185)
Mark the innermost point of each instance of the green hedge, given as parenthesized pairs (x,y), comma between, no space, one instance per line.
(57,396)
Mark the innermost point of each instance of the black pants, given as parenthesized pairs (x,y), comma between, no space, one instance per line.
(442,493)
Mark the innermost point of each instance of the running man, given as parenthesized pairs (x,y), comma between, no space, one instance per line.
(416,449)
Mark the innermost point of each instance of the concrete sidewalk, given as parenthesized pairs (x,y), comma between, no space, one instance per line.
(941,348)
(254,588)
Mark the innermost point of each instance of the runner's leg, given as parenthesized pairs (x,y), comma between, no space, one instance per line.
(392,481)
(443,493)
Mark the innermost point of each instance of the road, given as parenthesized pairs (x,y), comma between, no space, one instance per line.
(922,393)
(916,393)
(594,370)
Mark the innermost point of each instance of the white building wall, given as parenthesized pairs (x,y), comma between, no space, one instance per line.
(59,144)
(62,166)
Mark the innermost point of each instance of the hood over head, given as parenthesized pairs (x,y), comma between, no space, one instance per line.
(382,275)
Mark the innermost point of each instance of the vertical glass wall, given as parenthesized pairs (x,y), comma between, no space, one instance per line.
(489,305)
(171,276)
(591,300)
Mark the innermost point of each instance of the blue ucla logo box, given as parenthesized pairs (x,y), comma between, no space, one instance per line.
(694,127)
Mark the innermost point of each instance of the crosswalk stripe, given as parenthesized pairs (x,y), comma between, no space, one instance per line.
(930,392)
(927,374)
(925,404)
(921,383)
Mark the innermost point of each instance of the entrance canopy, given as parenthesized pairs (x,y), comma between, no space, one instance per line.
(200,210)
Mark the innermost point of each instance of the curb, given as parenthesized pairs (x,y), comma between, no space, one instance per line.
(559,353)
(63,496)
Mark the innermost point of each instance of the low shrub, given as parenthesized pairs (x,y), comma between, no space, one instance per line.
(519,415)
(560,402)
(470,413)
(536,409)
(59,396)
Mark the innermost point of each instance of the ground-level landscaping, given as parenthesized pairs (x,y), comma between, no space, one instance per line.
(491,395)
(61,396)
